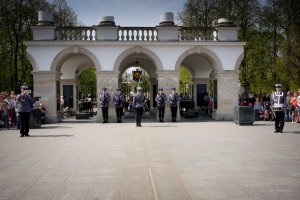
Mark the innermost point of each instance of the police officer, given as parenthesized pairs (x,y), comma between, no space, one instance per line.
(160,100)
(25,105)
(138,105)
(278,105)
(174,99)
(104,101)
(119,101)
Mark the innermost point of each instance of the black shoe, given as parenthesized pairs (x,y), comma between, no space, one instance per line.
(21,135)
(27,135)
(276,131)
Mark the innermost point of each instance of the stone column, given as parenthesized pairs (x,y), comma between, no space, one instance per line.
(107,30)
(227,94)
(44,86)
(167,30)
(45,29)
(167,80)
(109,80)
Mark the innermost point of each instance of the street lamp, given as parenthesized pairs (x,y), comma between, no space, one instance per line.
(136,74)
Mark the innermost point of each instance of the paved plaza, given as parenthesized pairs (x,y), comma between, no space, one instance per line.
(206,160)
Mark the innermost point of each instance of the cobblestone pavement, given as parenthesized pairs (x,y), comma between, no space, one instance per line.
(158,161)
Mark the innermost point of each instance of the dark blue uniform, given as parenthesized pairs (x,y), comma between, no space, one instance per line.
(119,101)
(138,105)
(160,100)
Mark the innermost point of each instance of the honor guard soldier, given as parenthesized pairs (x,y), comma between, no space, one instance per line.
(174,99)
(160,100)
(119,101)
(278,105)
(25,105)
(138,105)
(104,101)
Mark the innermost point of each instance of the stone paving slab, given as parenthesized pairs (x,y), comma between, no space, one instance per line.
(186,160)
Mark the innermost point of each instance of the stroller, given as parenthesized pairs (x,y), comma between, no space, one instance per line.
(266,113)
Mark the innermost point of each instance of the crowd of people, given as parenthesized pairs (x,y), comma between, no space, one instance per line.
(263,108)
(11,108)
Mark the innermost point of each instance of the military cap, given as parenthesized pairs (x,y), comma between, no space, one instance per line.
(138,88)
(160,89)
(278,85)
(174,88)
(24,87)
(104,88)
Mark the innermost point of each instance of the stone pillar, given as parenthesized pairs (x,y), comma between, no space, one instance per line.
(167,80)
(109,80)
(226,31)
(45,29)
(107,30)
(227,94)
(44,86)
(167,30)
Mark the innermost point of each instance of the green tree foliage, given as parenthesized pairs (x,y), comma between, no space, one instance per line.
(272,33)
(185,79)
(88,82)
(16,17)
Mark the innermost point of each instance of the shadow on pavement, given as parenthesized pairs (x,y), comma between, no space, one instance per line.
(51,135)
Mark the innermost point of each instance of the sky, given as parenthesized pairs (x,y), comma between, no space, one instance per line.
(125,12)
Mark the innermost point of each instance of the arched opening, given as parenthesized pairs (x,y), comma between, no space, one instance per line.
(76,87)
(196,87)
(138,69)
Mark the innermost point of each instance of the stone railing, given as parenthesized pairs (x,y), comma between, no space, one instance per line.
(137,34)
(75,33)
(196,34)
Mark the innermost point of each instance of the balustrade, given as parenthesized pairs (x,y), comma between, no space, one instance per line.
(137,34)
(76,33)
(196,34)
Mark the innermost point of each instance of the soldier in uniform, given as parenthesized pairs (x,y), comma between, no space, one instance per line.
(25,105)
(278,104)
(174,99)
(160,99)
(138,105)
(119,101)
(104,101)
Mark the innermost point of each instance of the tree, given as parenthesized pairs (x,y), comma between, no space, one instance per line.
(16,17)
(271,32)
(184,79)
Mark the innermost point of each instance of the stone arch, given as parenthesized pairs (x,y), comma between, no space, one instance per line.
(238,62)
(137,50)
(32,62)
(64,54)
(208,54)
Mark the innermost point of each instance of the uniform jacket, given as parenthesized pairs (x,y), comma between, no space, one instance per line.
(104,100)
(25,103)
(160,99)
(278,99)
(119,100)
(173,99)
(138,100)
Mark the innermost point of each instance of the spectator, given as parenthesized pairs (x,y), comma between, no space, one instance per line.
(288,107)
(294,107)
